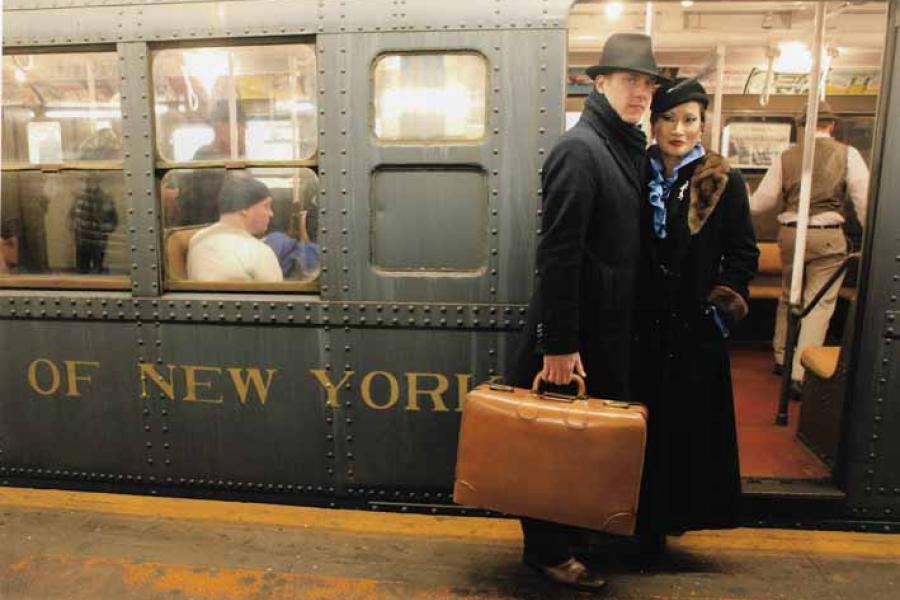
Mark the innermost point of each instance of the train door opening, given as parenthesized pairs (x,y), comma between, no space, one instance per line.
(755,60)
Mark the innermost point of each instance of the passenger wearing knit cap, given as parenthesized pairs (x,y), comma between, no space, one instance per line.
(229,249)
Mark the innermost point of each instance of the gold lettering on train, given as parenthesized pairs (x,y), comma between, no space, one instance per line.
(191,383)
(436,394)
(330,388)
(72,376)
(166,385)
(462,388)
(366,389)
(242,385)
(33,377)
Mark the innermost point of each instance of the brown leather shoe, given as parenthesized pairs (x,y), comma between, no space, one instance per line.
(572,573)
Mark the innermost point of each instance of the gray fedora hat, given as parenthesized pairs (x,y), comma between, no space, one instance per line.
(826,115)
(627,52)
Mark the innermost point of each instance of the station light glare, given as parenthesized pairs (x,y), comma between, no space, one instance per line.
(75,113)
(687,3)
(614,10)
(207,66)
(21,77)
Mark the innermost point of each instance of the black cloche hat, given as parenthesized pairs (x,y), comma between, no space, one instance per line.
(682,90)
(626,52)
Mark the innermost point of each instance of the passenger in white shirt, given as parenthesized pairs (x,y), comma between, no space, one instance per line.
(229,249)
(838,171)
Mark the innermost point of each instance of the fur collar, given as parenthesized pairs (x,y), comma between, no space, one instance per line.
(707,186)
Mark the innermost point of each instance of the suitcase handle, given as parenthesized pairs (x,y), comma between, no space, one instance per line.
(536,389)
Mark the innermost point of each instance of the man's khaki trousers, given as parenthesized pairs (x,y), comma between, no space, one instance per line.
(826,249)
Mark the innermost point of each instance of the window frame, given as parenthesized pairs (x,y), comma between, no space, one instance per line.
(65,281)
(436,141)
(161,167)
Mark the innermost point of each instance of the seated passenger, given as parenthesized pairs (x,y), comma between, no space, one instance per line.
(299,259)
(228,250)
(9,247)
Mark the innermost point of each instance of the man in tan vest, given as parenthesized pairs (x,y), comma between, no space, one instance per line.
(838,170)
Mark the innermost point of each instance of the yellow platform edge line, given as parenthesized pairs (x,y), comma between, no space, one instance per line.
(879,546)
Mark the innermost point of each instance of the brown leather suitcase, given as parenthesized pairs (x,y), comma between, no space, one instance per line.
(566,459)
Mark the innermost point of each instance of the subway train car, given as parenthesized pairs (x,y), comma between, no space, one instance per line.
(402,145)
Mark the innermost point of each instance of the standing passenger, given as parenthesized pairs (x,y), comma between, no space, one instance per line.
(698,257)
(202,187)
(838,170)
(587,261)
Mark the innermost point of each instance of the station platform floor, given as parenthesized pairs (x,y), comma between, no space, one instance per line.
(78,545)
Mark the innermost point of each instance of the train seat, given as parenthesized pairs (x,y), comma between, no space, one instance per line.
(824,387)
(821,360)
(767,283)
(178,240)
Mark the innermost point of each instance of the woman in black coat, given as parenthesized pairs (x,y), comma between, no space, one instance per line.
(699,255)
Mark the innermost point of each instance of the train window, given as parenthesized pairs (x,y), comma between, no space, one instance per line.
(430,97)
(253,229)
(430,198)
(61,108)
(62,211)
(235,103)
(64,230)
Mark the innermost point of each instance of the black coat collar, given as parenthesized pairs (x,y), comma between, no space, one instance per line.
(624,141)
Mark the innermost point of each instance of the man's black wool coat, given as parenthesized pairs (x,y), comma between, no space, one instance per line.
(588,252)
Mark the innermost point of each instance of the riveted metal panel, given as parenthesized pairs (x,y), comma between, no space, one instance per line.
(431,197)
(221,19)
(871,457)
(332,162)
(520,84)
(69,400)
(59,22)
(403,406)
(423,15)
(138,139)
(219,426)
(61,26)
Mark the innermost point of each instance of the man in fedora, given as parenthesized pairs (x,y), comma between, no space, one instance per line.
(579,317)
(838,171)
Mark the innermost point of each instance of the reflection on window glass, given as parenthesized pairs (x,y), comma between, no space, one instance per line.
(55,105)
(64,223)
(260,225)
(430,97)
(250,102)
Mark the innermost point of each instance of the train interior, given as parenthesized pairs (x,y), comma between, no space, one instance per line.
(756,59)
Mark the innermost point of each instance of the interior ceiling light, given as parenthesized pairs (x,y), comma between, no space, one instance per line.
(793,57)
(687,3)
(614,10)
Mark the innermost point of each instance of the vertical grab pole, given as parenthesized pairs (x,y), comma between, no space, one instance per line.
(716,136)
(796,301)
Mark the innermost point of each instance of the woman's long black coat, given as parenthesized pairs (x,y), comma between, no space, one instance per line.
(588,253)
(691,474)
